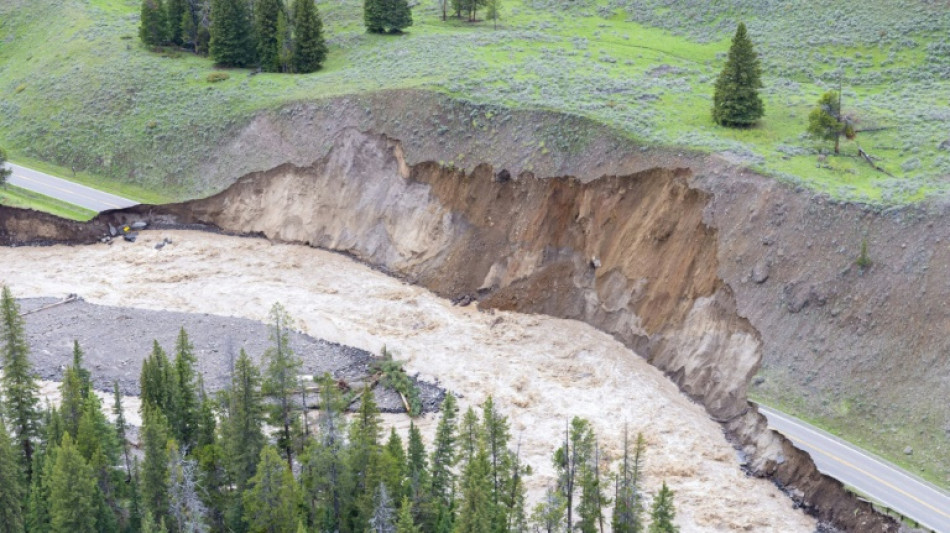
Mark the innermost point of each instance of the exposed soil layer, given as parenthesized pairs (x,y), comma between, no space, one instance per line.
(637,256)
(115,341)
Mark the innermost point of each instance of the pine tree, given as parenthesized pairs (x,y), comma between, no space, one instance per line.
(476,510)
(174,15)
(417,472)
(495,431)
(364,458)
(85,377)
(153,29)
(186,404)
(628,501)
(384,515)
(571,459)
(663,512)
(374,15)
(442,488)
(11,493)
(72,399)
(232,36)
(310,49)
(120,428)
(394,464)
(37,504)
(517,499)
(186,510)
(736,103)
(243,436)
(405,523)
(470,436)
(155,467)
(266,13)
(19,383)
(282,368)
(826,122)
(397,15)
(548,515)
(95,432)
(72,504)
(270,503)
(285,42)
(324,469)
(159,386)
(493,11)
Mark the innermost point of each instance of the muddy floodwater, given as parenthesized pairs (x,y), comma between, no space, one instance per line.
(541,371)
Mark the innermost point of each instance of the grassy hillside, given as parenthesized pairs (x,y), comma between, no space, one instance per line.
(78,90)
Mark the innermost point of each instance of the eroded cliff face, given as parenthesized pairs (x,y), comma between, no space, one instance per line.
(629,254)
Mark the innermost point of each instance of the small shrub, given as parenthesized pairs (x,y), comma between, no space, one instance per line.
(215,77)
(863,260)
(20,88)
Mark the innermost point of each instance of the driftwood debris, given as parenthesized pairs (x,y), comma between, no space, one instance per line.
(68,299)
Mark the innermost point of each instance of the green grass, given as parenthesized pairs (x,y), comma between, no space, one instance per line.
(18,197)
(78,89)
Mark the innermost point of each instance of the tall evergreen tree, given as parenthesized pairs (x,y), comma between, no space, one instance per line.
(232,35)
(663,512)
(186,509)
(174,16)
(444,456)
(270,503)
(12,492)
(384,512)
(19,384)
(153,27)
(496,435)
(72,492)
(280,381)
(121,425)
(243,436)
(405,523)
(374,15)
(736,101)
(285,42)
(266,14)
(476,509)
(159,386)
(186,404)
(364,462)
(628,501)
(37,505)
(324,468)
(155,467)
(571,459)
(394,464)
(417,472)
(71,400)
(85,377)
(310,49)
(397,15)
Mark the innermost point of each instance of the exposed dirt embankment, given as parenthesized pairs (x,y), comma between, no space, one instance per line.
(630,255)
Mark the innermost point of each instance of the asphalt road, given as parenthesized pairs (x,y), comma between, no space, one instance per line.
(65,190)
(870,475)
